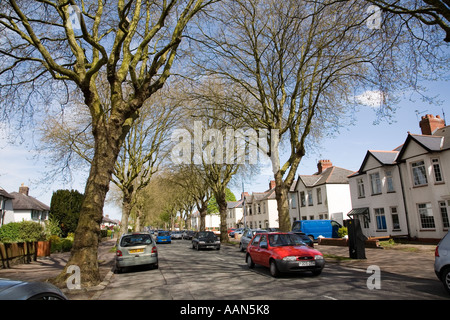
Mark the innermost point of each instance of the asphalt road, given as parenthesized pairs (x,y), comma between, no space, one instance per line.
(188,274)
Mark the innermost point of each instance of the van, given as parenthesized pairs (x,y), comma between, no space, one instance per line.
(316,228)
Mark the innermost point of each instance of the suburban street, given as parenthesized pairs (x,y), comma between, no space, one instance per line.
(188,274)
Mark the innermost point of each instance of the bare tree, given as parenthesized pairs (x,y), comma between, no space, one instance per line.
(143,152)
(429,12)
(49,47)
(294,67)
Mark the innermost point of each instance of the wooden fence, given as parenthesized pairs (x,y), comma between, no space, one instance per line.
(22,252)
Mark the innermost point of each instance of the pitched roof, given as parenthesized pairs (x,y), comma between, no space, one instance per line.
(439,141)
(5,194)
(23,202)
(332,175)
(234,204)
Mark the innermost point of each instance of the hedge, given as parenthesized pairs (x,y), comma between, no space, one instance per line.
(25,231)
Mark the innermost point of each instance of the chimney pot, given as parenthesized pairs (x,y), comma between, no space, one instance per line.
(272,184)
(322,165)
(429,124)
(24,189)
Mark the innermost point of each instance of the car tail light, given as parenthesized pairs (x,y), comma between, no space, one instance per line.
(436,252)
(118,253)
(154,250)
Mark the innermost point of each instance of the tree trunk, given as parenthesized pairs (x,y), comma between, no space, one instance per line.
(137,226)
(84,254)
(203,211)
(222,204)
(87,235)
(281,194)
(126,209)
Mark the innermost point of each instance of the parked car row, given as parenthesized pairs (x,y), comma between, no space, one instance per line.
(279,251)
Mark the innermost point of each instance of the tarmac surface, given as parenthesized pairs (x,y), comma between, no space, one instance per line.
(410,260)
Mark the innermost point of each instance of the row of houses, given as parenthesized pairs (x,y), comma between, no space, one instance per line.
(403,192)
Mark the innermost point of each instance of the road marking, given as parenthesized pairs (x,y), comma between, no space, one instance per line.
(328,297)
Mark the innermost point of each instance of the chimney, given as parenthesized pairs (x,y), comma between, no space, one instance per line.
(23,190)
(429,124)
(272,184)
(244,194)
(322,165)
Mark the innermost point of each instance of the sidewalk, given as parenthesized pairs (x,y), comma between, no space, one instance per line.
(409,260)
(49,267)
(415,261)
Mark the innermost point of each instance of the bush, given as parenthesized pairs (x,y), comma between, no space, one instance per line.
(342,232)
(60,244)
(9,232)
(25,231)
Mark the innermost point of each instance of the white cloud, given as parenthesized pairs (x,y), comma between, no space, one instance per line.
(371,98)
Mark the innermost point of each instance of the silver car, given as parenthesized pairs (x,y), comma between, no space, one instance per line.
(134,249)
(247,235)
(29,290)
(442,261)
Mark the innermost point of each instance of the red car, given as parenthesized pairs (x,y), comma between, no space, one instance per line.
(283,252)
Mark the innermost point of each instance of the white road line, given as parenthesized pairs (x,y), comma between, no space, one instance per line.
(328,297)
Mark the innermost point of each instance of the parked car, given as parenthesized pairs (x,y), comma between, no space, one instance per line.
(29,290)
(135,249)
(307,240)
(176,235)
(283,252)
(188,234)
(205,239)
(163,237)
(247,235)
(442,261)
(238,232)
(316,228)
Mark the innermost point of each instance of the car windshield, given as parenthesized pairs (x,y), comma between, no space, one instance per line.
(163,233)
(278,240)
(206,235)
(135,239)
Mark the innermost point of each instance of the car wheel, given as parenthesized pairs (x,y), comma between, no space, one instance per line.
(446,279)
(198,247)
(193,247)
(118,270)
(250,262)
(273,269)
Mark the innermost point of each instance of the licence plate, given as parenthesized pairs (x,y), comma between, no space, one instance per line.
(136,251)
(306,263)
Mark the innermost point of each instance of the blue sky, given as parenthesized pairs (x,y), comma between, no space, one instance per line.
(346,149)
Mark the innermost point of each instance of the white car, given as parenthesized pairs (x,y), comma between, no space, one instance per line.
(177,235)
(442,261)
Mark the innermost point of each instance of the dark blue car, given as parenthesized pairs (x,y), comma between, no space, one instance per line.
(163,237)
